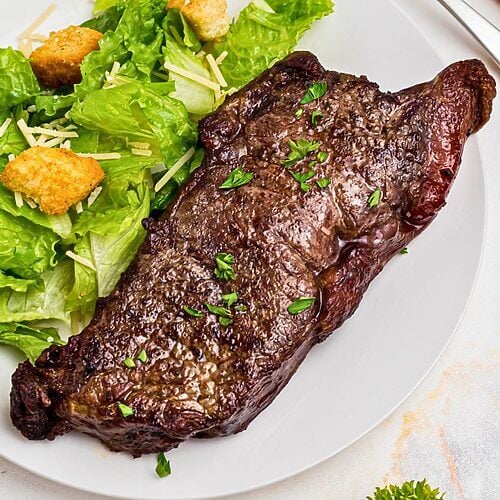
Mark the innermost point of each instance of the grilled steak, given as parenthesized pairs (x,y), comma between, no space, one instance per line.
(391,158)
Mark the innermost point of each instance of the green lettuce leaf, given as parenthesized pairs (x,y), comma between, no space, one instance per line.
(101,5)
(140,112)
(264,34)
(47,302)
(198,99)
(107,20)
(26,250)
(31,341)
(17,80)
(16,284)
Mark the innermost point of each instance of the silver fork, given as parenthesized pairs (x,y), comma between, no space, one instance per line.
(478,26)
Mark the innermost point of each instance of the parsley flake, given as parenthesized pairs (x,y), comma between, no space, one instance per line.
(238,177)
(300,305)
(322,156)
(323,183)
(229,299)
(315,91)
(299,113)
(404,251)
(241,308)
(143,356)
(225,321)
(316,117)
(192,312)
(163,468)
(125,410)
(218,310)
(129,363)
(375,198)
(224,267)
(299,150)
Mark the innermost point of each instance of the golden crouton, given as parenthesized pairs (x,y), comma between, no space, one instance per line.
(56,179)
(57,62)
(207,17)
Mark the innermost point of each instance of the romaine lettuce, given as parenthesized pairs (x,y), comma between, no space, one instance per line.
(31,341)
(17,80)
(265,33)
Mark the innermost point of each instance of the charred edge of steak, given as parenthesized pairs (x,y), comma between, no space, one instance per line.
(30,403)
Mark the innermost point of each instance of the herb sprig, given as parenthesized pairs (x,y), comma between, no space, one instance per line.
(163,468)
(410,490)
(300,305)
(238,177)
(316,91)
(224,267)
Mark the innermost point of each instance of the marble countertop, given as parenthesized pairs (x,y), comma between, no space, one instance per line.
(448,430)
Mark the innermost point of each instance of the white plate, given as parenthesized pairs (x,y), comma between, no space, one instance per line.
(351,382)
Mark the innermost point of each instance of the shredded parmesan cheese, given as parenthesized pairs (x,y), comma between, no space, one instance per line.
(12,157)
(38,22)
(52,132)
(93,196)
(19,199)
(53,142)
(216,71)
(180,163)
(37,37)
(221,58)
(31,109)
(192,76)
(156,169)
(66,145)
(141,152)
(81,260)
(26,132)
(26,47)
(30,203)
(101,156)
(79,207)
(5,126)
(140,145)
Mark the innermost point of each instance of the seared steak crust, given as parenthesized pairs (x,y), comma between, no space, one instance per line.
(203,379)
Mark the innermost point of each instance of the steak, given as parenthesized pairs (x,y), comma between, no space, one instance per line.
(386,163)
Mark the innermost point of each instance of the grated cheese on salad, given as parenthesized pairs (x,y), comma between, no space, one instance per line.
(192,76)
(101,156)
(81,260)
(30,138)
(180,163)
(141,152)
(5,125)
(19,199)
(93,196)
(216,71)
(221,58)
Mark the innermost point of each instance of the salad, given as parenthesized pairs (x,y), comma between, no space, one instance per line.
(135,111)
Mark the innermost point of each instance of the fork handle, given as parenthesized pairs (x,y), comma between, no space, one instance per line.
(479,27)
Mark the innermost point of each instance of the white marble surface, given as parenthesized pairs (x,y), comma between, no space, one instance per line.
(448,430)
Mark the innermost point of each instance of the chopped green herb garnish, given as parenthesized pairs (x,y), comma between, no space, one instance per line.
(299,113)
(302,179)
(316,117)
(229,299)
(238,177)
(143,356)
(323,183)
(241,308)
(225,321)
(192,312)
(125,410)
(300,305)
(312,164)
(407,491)
(218,310)
(129,363)
(322,156)
(224,266)
(404,251)
(299,150)
(375,198)
(163,468)
(315,91)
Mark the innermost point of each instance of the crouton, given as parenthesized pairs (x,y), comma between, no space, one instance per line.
(208,18)
(57,62)
(56,179)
